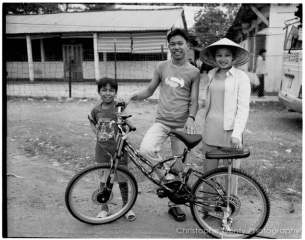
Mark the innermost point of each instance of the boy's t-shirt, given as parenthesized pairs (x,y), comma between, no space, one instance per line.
(107,130)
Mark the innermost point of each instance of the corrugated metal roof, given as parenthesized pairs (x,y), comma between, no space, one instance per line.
(106,21)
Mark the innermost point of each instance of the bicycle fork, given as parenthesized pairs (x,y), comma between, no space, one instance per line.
(117,156)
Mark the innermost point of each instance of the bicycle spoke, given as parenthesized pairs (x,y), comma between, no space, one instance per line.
(86,197)
(248,205)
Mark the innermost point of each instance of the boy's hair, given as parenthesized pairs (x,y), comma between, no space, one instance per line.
(180,32)
(105,81)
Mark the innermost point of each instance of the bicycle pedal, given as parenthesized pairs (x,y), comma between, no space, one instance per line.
(161,193)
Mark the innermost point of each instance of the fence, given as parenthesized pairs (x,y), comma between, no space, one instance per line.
(74,74)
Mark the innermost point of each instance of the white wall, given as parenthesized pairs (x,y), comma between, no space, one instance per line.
(274,44)
(128,70)
(55,70)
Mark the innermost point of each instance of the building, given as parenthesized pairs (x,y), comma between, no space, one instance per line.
(258,26)
(121,44)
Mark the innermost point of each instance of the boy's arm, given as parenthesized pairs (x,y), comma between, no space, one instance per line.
(93,128)
(92,123)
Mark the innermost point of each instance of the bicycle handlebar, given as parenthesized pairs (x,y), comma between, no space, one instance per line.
(130,125)
(121,108)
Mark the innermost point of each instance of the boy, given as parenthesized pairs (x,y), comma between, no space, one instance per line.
(101,118)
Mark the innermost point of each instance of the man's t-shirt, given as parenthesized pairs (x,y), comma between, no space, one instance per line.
(175,92)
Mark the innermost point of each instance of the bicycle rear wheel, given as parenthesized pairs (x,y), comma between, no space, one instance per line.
(249,204)
(84,195)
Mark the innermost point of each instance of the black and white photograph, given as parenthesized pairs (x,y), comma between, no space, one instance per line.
(152,120)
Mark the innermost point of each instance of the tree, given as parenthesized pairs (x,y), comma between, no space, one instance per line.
(44,8)
(213,21)
(30,8)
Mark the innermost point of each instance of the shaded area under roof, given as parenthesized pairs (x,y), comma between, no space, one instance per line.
(104,21)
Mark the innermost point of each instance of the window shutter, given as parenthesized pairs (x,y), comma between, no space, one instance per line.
(106,42)
(149,42)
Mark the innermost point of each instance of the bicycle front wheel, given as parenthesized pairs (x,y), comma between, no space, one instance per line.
(86,197)
(249,205)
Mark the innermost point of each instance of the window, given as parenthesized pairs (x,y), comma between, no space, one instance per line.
(53,49)
(294,39)
(101,57)
(15,50)
(88,53)
(36,50)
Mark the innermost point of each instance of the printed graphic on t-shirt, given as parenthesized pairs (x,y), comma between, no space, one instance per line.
(105,130)
(174,82)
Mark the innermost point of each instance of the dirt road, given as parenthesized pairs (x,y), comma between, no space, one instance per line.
(36,208)
(36,185)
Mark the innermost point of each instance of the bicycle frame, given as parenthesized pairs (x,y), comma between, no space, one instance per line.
(123,145)
(134,155)
(208,196)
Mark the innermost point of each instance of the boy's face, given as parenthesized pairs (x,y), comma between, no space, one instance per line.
(107,93)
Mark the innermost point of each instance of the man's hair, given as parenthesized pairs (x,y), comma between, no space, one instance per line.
(105,81)
(180,32)
(262,51)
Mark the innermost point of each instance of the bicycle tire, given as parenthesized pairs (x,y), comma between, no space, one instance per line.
(83,189)
(250,206)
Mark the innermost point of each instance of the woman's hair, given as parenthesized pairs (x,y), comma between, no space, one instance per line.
(180,32)
(105,81)
(232,49)
(262,51)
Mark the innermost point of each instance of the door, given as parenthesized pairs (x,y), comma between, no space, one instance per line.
(73,62)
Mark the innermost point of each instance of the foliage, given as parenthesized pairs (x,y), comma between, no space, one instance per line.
(44,8)
(213,21)
(30,8)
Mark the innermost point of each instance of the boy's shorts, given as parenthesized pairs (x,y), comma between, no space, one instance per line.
(102,175)
(123,160)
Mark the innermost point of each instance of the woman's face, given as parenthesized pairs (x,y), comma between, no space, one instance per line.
(224,58)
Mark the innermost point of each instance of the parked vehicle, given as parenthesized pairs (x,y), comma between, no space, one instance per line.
(290,93)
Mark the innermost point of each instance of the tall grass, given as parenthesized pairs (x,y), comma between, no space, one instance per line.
(276,179)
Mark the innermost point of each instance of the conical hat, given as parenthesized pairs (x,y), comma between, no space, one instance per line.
(241,55)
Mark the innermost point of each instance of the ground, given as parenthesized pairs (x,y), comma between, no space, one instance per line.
(36,185)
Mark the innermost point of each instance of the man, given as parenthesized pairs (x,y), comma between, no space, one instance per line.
(178,104)
(261,72)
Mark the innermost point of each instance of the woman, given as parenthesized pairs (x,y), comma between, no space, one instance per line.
(227,99)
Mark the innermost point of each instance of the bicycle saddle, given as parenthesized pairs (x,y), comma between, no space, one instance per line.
(189,140)
(227,153)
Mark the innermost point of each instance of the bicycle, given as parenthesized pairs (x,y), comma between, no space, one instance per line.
(215,209)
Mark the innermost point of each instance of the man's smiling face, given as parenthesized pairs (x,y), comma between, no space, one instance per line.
(178,47)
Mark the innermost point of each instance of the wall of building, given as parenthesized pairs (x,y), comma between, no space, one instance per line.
(279,13)
(47,70)
(276,14)
(55,70)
